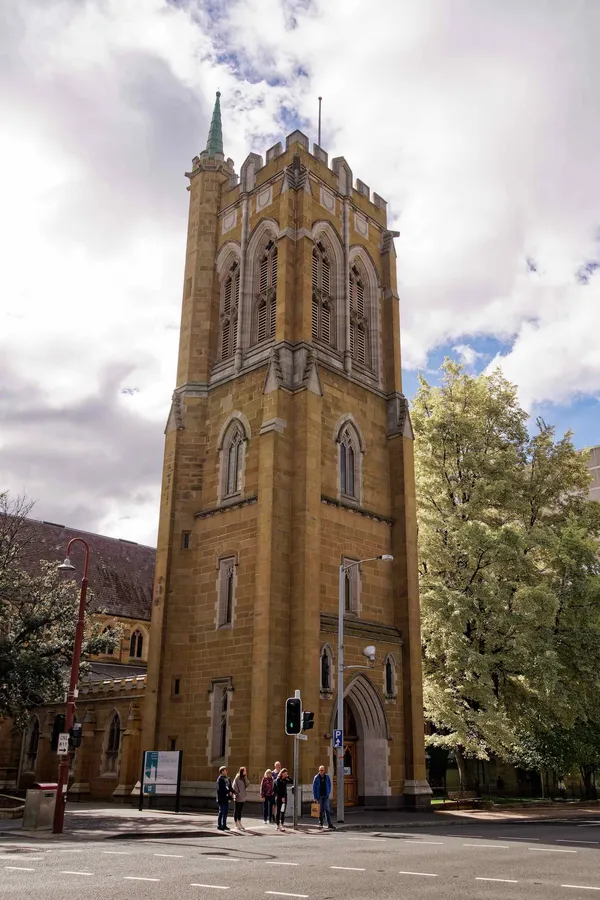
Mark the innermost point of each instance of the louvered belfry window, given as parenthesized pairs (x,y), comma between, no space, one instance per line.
(229,312)
(359,343)
(322,319)
(266,296)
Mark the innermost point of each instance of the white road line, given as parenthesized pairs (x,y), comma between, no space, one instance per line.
(581,887)
(170,855)
(216,887)
(223,858)
(409,841)
(424,874)
(348,868)
(29,858)
(117,852)
(492,846)
(552,850)
(529,840)
(19,869)
(567,841)
(70,850)
(138,878)
(270,862)
(282,894)
(503,880)
(383,840)
(68,872)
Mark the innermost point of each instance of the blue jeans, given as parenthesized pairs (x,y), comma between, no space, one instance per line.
(222,817)
(324,810)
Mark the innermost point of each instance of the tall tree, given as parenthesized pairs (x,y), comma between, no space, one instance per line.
(37,620)
(509,576)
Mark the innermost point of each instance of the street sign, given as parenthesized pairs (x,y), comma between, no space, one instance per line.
(337,739)
(63,743)
(161,772)
(302,737)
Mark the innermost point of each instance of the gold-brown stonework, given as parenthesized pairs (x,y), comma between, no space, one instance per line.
(288,526)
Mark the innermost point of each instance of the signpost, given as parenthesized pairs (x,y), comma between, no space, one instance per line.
(63,744)
(161,775)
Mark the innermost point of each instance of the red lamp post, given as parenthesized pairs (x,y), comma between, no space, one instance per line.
(64,765)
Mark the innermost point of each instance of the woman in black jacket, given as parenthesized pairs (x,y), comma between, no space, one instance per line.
(281,786)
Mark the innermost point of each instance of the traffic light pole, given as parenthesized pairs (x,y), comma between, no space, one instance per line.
(296,771)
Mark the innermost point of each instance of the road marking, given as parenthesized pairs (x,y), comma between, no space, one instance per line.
(138,878)
(552,850)
(348,868)
(409,841)
(270,862)
(117,852)
(282,894)
(567,841)
(368,839)
(503,880)
(216,887)
(492,846)
(581,887)
(29,858)
(522,839)
(70,850)
(19,869)
(424,874)
(68,872)
(170,855)
(223,858)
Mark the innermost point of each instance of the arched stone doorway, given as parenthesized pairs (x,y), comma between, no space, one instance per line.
(365,744)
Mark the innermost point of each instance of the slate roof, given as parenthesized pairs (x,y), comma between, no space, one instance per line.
(109,671)
(120,573)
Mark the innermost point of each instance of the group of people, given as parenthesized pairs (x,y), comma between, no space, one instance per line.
(273,793)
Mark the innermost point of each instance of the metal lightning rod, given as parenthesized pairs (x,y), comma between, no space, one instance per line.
(319,137)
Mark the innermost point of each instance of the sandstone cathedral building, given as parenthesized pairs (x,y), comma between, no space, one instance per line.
(288,452)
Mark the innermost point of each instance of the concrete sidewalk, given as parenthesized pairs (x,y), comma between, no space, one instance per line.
(101,821)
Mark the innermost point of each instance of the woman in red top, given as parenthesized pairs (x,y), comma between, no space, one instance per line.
(267,793)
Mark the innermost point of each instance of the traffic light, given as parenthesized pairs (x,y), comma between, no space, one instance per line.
(58,726)
(308,721)
(293,715)
(75,736)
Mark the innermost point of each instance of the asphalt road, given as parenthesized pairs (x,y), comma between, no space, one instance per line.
(490,861)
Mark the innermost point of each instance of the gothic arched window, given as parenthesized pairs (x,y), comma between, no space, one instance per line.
(322,305)
(265,302)
(326,671)
(349,451)
(232,449)
(112,743)
(136,644)
(230,296)
(390,677)
(359,327)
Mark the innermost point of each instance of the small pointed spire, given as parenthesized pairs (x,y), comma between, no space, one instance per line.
(214,144)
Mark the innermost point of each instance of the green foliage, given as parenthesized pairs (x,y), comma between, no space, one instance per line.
(38,616)
(509,574)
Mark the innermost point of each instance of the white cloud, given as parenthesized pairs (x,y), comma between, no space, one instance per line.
(479,123)
(467,355)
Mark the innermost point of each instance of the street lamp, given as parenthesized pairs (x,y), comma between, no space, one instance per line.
(371,656)
(64,766)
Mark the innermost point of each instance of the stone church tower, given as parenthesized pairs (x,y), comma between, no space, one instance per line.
(288,450)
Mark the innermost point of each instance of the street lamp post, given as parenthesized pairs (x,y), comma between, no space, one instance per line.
(340,705)
(64,765)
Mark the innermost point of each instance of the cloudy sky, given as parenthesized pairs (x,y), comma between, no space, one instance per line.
(477,120)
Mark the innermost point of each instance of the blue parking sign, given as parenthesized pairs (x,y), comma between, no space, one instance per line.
(337,739)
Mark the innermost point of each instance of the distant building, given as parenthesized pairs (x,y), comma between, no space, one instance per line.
(110,700)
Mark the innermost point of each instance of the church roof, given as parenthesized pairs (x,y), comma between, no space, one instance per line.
(214,144)
(120,574)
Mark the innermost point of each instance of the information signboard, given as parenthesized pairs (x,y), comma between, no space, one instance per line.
(161,774)
(63,743)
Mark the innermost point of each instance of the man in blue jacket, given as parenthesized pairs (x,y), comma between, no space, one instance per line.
(321,792)
(224,794)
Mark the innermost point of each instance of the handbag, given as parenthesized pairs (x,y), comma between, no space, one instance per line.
(315,809)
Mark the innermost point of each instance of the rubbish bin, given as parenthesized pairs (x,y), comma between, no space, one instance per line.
(39,806)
